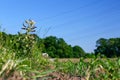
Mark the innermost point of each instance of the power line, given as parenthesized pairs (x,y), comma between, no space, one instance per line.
(68,23)
(70,11)
(93,34)
(47,31)
(77,20)
(67,12)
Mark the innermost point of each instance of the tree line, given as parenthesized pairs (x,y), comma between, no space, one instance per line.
(108,47)
(55,47)
(26,43)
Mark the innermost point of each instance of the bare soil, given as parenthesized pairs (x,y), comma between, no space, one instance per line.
(62,76)
(51,76)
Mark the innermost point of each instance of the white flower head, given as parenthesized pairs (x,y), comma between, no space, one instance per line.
(31,22)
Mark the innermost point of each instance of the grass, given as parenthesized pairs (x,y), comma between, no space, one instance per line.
(76,60)
(90,69)
(94,69)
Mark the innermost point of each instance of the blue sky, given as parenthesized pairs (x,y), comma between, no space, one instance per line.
(79,22)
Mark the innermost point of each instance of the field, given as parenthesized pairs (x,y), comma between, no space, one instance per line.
(93,69)
(85,69)
(75,60)
(21,58)
(40,68)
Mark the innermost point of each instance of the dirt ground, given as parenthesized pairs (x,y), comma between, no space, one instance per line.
(51,76)
(61,76)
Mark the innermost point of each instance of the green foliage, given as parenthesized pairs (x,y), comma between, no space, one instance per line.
(20,53)
(23,43)
(9,64)
(94,69)
(108,47)
(78,52)
(57,47)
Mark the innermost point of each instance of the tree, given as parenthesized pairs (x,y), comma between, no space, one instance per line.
(50,45)
(24,43)
(64,50)
(57,47)
(108,47)
(78,52)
